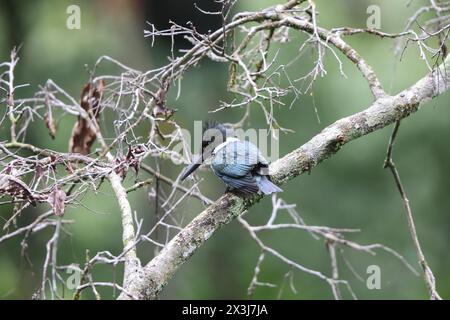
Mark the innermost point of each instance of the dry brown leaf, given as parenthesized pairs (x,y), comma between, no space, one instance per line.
(50,124)
(16,188)
(57,201)
(83,136)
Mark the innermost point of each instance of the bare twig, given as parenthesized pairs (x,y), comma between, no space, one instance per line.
(389,163)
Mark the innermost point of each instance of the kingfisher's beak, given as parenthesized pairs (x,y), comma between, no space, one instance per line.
(192,167)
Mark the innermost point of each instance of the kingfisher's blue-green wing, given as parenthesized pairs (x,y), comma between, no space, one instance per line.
(238,164)
(246,184)
(237,159)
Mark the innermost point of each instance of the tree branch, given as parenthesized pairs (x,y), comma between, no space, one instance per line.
(384,111)
(132,263)
(428,273)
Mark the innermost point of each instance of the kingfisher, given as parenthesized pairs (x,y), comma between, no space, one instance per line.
(239,164)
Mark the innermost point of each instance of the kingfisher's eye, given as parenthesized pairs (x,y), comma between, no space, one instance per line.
(206,143)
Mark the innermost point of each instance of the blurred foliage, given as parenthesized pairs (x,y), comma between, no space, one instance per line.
(350,190)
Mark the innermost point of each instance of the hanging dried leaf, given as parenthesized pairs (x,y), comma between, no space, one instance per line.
(83,136)
(50,124)
(57,201)
(131,160)
(16,188)
(48,118)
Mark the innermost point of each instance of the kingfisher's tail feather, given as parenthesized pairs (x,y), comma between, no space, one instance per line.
(267,187)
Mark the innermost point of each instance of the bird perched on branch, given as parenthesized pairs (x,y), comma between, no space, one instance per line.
(239,164)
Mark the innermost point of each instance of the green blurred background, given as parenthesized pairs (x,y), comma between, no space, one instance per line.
(349,190)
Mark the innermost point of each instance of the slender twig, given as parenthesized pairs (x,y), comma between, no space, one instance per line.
(389,163)
(334,269)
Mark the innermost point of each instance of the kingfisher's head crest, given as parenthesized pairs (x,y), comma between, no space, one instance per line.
(224,129)
(215,133)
